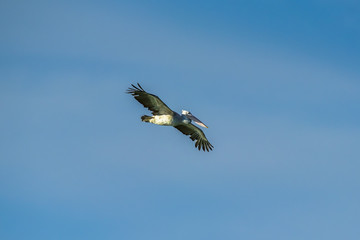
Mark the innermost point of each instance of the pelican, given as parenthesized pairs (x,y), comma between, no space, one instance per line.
(163,115)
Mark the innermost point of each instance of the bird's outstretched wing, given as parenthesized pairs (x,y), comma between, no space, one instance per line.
(150,101)
(195,134)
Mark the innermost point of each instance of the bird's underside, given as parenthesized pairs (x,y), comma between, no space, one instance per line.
(164,120)
(163,115)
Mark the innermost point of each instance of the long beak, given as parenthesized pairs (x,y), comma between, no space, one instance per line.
(196,120)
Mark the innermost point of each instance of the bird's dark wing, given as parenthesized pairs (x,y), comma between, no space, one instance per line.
(150,101)
(195,134)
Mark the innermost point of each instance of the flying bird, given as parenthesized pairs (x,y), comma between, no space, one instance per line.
(163,115)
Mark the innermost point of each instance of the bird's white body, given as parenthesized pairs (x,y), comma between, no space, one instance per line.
(165,120)
(173,119)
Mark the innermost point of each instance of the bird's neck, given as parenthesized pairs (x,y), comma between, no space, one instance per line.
(185,120)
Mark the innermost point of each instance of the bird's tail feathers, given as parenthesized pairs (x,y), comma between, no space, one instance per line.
(146,118)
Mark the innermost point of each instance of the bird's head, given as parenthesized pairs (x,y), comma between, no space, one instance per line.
(185,112)
(193,118)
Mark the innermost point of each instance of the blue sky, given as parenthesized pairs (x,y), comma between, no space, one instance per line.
(277,82)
